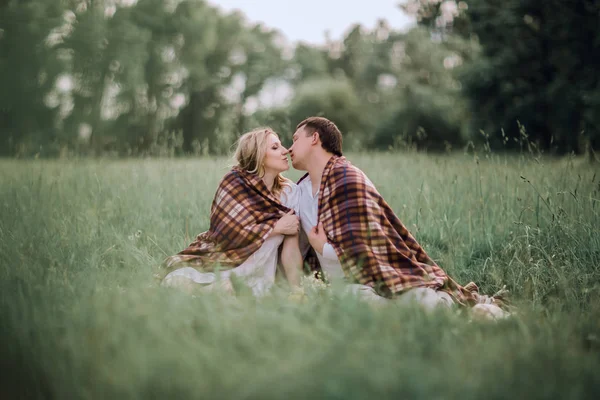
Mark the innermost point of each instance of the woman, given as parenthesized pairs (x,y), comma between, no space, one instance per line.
(252,214)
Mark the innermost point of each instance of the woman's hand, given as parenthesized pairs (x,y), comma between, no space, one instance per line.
(289,224)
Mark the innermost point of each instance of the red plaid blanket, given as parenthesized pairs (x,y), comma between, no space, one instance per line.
(243,214)
(372,244)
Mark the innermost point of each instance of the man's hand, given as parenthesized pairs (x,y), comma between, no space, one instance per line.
(317,238)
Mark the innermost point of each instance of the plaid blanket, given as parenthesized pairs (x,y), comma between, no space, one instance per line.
(243,214)
(372,244)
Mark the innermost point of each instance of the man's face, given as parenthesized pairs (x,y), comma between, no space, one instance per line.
(301,148)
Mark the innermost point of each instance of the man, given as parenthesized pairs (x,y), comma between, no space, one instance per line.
(355,236)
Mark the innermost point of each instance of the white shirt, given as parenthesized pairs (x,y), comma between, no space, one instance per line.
(308,208)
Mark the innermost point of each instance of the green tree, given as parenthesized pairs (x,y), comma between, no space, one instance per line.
(220,52)
(334,99)
(540,69)
(427,107)
(262,49)
(29,68)
(537,69)
(309,62)
(145,72)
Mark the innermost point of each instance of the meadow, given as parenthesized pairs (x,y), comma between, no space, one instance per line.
(81,316)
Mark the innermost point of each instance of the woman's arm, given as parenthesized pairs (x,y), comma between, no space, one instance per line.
(291,259)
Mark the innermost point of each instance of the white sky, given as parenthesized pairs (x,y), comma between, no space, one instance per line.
(307,20)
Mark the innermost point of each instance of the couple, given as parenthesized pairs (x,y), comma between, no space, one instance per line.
(333,220)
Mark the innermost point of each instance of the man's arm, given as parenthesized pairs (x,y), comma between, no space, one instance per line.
(329,253)
(318,241)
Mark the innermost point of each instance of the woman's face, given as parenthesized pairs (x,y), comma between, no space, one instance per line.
(276,159)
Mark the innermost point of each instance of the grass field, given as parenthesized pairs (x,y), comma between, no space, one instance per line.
(81,317)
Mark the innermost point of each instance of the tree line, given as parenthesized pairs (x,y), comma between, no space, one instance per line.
(176,77)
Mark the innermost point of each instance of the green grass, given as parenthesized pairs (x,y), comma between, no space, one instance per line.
(81,317)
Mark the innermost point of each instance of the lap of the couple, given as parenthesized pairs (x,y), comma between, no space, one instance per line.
(258,270)
(259,273)
(427,298)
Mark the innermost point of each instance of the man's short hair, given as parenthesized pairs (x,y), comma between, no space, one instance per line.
(330,135)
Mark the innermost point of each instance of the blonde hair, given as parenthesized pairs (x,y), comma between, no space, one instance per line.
(250,154)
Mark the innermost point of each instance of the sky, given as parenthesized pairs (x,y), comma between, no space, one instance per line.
(307,20)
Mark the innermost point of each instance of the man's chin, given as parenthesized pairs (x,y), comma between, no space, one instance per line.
(297,166)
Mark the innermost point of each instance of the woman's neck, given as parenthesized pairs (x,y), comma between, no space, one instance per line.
(269,179)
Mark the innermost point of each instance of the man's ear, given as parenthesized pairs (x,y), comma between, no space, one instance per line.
(314,139)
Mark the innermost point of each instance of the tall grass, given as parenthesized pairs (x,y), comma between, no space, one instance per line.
(81,317)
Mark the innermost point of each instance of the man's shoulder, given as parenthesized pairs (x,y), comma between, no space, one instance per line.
(347,169)
(350,174)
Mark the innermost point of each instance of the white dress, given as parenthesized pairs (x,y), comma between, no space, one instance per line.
(257,272)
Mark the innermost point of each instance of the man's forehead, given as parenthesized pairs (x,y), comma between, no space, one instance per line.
(301,129)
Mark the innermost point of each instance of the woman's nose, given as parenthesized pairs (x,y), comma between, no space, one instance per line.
(285,151)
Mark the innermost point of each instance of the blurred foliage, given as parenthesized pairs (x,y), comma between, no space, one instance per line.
(156,77)
(537,71)
(335,99)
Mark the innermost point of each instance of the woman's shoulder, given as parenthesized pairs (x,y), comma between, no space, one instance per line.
(231,175)
(289,194)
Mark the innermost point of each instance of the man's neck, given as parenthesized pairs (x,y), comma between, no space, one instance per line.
(315,170)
